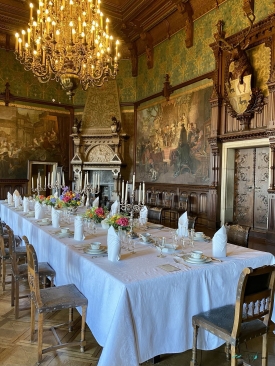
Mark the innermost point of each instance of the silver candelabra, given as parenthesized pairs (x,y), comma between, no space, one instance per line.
(131,208)
(39,189)
(56,186)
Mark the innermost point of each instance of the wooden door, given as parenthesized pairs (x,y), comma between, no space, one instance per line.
(250,187)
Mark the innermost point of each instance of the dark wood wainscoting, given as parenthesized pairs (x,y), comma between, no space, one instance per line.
(197,198)
(7,185)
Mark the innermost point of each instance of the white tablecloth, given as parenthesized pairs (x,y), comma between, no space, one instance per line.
(136,310)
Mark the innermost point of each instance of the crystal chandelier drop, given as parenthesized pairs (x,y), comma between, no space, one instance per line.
(68,42)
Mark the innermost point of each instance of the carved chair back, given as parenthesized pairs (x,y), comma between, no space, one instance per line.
(238,234)
(33,274)
(255,297)
(168,199)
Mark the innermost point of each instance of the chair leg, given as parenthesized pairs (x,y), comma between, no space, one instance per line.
(83,325)
(40,335)
(193,361)
(16,295)
(32,320)
(3,274)
(12,290)
(71,319)
(227,351)
(234,361)
(264,350)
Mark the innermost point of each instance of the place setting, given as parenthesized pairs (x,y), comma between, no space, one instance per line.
(44,222)
(96,249)
(64,232)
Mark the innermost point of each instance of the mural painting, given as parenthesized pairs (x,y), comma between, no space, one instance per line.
(172,137)
(26,134)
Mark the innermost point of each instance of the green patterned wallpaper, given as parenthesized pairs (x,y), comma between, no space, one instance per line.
(184,64)
(24,84)
(171,56)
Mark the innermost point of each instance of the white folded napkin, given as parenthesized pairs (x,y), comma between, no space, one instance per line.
(114,208)
(16,193)
(38,211)
(16,201)
(78,228)
(183,225)
(113,243)
(10,199)
(143,215)
(219,243)
(25,204)
(96,202)
(55,217)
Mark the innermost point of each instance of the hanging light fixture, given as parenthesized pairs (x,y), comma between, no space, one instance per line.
(68,42)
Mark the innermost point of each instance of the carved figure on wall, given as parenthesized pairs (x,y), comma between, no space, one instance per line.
(77,126)
(116,125)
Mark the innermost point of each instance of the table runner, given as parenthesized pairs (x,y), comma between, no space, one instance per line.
(136,310)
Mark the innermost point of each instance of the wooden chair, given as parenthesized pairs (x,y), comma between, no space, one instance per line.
(4,260)
(248,318)
(155,214)
(182,204)
(52,299)
(20,273)
(238,234)
(169,213)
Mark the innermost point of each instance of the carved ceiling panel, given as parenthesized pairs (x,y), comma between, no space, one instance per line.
(157,19)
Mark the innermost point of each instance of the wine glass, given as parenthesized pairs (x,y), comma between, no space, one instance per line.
(161,245)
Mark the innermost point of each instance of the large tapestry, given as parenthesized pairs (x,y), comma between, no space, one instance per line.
(172,137)
(27,134)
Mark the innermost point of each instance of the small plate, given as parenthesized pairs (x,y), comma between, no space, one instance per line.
(64,235)
(100,251)
(43,223)
(191,260)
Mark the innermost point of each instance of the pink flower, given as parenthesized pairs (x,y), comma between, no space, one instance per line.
(123,221)
(99,211)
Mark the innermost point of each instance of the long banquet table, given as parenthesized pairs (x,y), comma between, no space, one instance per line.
(136,310)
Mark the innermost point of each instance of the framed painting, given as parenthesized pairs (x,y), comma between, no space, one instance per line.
(172,136)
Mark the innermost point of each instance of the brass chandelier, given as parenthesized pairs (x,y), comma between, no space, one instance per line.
(68,42)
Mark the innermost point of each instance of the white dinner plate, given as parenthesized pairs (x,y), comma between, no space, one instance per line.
(191,260)
(100,251)
(43,223)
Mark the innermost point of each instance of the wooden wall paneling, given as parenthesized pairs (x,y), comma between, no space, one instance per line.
(5,187)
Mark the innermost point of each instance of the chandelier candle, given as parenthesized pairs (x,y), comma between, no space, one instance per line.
(69,39)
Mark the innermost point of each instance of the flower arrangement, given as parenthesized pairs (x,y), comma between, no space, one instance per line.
(97,214)
(118,220)
(40,198)
(69,198)
(51,201)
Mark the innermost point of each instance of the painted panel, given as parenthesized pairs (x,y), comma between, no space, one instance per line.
(29,134)
(172,136)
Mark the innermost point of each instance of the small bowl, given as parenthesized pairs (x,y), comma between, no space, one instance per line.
(64,230)
(197,254)
(95,245)
(31,213)
(45,220)
(199,234)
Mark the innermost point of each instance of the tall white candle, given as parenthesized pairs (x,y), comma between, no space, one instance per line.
(45,181)
(143,193)
(80,181)
(139,193)
(122,190)
(49,178)
(93,179)
(63,179)
(134,182)
(32,182)
(52,179)
(126,191)
(98,184)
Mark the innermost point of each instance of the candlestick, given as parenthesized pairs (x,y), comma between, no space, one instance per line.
(131,208)
(122,190)
(126,192)
(63,179)
(143,193)
(134,181)
(139,193)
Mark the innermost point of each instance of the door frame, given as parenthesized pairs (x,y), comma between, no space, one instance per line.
(227,173)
